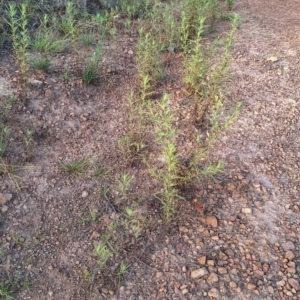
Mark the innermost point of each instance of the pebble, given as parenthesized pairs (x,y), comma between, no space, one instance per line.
(130,52)
(251,286)
(212,278)
(184,291)
(35,82)
(202,260)
(222,270)
(4,208)
(199,273)
(214,293)
(84,194)
(289,255)
(294,283)
(288,246)
(4,198)
(232,284)
(210,263)
(210,221)
(272,58)
(288,293)
(246,211)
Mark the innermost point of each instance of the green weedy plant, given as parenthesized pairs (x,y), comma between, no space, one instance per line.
(8,287)
(192,10)
(6,291)
(75,167)
(2,39)
(135,8)
(46,39)
(103,253)
(7,106)
(122,270)
(93,214)
(4,135)
(40,62)
(87,38)
(166,25)
(147,59)
(133,223)
(90,70)
(20,35)
(132,143)
(163,120)
(230,4)
(196,64)
(123,186)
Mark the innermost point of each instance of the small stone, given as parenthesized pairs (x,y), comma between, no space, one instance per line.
(291,264)
(84,194)
(251,286)
(199,273)
(35,82)
(50,293)
(184,269)
(48,94)
(232,284)
(294,283)
(95,235)
(247,211)
(214,293)
(272,59)
(202,260)
(289,255)
(210,263)
(270,289)
(2,199)
(288,293)
(212,221)
(212,278)
(4,208)
(265,267)
(184,291)
(130,52)
(291,270)
(229,252)
(280,283)
(222,270)
(288,246)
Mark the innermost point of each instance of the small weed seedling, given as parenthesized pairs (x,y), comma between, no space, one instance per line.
(93,213)
(230,4)
(90,70)
(40,62)
(133,223)
(17,240)
(4,135)
(75,167)
(7,106)
(103,253)
(123,187)
(87,38)
(122,271)
(7,288)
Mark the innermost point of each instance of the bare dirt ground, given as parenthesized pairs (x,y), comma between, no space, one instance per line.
(244,245)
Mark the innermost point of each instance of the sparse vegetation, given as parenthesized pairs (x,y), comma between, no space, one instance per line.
(174,53)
